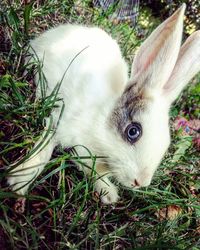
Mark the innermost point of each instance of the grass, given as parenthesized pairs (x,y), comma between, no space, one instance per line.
(62,210)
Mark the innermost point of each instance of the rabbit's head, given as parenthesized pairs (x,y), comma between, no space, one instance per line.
(139,120)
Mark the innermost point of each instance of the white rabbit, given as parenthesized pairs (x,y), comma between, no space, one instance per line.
(124,120)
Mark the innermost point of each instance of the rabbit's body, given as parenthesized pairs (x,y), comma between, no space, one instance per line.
(124,120)
(90,85)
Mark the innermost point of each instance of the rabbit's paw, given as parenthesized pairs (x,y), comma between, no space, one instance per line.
(108,191)
(18,184)
(20,179)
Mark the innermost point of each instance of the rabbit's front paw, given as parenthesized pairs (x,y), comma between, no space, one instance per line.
(17,184)
(108,191)
(20,178)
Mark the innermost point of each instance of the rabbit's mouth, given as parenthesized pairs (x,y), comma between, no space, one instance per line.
(131,182)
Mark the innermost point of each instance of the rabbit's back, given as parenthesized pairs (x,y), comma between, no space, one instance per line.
(81,54)
(93,74)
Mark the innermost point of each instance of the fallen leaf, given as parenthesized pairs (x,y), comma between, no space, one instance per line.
(170,212)
(19,206)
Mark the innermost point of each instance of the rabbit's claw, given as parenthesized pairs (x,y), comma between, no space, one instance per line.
(108,191)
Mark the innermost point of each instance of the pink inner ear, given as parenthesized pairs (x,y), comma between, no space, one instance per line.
(187,66)
(150,59)
(160,50)
(158,44)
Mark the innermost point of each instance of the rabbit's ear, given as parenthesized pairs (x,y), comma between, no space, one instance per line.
(187,66)
(157,56)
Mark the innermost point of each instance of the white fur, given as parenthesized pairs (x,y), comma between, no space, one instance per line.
(90,89)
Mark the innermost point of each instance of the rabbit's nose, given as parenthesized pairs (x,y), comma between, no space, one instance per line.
(135,184)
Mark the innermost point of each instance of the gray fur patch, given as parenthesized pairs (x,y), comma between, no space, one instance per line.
(131,102)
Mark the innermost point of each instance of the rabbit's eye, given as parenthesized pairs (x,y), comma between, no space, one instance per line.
(133,132)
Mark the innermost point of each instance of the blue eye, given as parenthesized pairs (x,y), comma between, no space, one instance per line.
(133,132)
